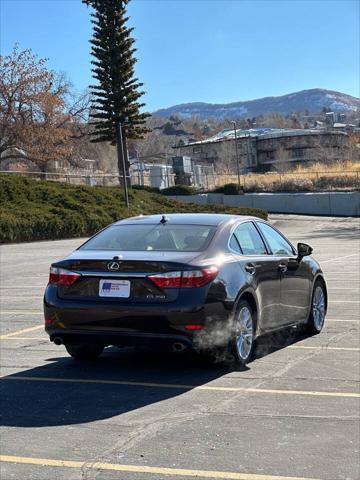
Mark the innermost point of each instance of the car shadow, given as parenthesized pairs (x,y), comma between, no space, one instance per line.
(275,341)
(65,392)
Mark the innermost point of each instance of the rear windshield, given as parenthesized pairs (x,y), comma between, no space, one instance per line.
(168,238)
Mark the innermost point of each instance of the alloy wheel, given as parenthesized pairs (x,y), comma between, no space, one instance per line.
(318,308)
(244,333)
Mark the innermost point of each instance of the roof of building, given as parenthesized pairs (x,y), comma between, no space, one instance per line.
(262,132)
(343,125)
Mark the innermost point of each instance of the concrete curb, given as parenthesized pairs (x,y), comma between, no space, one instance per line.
(344,204)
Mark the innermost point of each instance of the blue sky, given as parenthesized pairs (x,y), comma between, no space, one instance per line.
(214,51)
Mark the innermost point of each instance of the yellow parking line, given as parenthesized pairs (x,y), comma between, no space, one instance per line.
(334,275)
(24,296)
(348,289)
(24,338)
(355,320)
(24,330)
(344,301)
(306,347)
(22,288)
(338,258)
(22,312)
(47,462)
(183,386)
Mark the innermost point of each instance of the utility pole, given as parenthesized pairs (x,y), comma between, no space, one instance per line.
(167,170)
(121,154)
(237,156)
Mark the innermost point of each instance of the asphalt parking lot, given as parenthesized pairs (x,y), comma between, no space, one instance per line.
(293,413)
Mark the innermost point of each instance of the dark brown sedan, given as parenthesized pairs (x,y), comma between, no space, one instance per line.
(183,281)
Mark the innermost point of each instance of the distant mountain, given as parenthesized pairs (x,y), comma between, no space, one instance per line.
(311,100)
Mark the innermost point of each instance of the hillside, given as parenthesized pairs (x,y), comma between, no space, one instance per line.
(311,100)
(40,210)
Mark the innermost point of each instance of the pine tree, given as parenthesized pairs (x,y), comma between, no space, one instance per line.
(116,107)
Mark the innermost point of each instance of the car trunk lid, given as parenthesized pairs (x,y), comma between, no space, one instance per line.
(111,277)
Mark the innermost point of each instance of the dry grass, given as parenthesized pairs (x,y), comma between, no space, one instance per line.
(346,166)
(308,178)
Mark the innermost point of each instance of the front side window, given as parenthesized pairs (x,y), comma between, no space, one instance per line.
(250,240)
(158,237)
(277,243)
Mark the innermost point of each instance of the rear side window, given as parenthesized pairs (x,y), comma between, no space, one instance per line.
(250,240)
(234,244)
(277,243)
(165,238)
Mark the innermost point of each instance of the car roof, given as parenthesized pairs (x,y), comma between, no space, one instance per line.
(213,219)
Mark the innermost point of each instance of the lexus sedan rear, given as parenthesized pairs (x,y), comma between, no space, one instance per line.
(182,281)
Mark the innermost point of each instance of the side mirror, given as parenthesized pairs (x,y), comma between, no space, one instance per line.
(303,250)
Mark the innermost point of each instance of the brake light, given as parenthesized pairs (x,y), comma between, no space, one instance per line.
(60,276)
(193,326)
(185,279)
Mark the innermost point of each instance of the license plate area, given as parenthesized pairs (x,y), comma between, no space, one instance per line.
(114,288)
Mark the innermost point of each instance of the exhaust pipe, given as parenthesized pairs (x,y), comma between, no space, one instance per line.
(178,347)
(58,341)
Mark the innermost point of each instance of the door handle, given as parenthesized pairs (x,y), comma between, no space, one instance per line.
(282,267)
(250,268)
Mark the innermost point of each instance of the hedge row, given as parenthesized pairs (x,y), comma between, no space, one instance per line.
(43,210)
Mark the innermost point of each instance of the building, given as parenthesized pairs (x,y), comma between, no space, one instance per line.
(337,121)
(263,148)
(178,170)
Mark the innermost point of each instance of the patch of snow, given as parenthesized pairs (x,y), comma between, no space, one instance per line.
(342,106)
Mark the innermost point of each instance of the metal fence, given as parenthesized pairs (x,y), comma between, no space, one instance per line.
(293,181)
(251,182)
(91,179)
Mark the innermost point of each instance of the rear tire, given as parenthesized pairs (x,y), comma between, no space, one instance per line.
(317,315)
(84,352)
(242,343)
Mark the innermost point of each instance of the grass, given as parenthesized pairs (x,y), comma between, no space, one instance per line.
(337,167)
(44,210)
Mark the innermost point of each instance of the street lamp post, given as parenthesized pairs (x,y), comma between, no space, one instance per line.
(121,154)
(237,156)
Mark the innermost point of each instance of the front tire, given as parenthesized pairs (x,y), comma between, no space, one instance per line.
(84,352)
(244,333)
(318,309)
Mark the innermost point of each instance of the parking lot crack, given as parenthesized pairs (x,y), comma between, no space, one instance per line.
(145,430)
(305,356)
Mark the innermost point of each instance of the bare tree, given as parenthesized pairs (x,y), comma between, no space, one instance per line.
(40,116)
(282,163)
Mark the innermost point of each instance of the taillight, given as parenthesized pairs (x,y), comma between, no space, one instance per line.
(60,276)
(185,279)
(198,278)
(167,280)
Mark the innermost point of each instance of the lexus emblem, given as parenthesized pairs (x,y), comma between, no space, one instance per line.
(113,266)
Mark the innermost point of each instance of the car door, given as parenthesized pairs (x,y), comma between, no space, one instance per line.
(260,270)
(294,276)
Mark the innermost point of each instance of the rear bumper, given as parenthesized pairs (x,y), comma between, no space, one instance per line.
(161,341)
(111,323)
